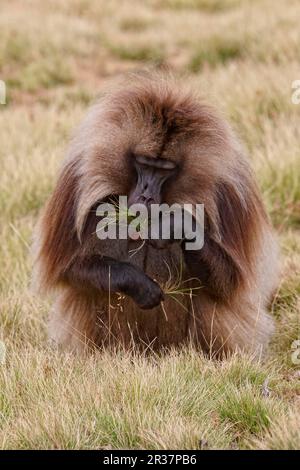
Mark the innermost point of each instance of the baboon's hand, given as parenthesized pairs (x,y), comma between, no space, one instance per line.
(141,288)
(150,295)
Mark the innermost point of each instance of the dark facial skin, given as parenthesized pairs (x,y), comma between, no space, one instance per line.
(151,176)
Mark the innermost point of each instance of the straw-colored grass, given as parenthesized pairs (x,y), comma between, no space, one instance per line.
(54,57)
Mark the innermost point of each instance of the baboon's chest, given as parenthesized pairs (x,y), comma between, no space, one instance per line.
(166,266)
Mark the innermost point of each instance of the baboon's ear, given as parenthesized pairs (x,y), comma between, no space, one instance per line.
(56,240)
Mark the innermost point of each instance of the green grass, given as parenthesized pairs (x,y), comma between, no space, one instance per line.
(42,74)
(138,53)
(216,51)
(177,401)
(211,6)
(135,24)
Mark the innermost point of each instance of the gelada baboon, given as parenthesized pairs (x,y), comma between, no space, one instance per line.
(114,291)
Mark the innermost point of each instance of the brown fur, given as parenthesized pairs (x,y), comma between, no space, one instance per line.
(152,115)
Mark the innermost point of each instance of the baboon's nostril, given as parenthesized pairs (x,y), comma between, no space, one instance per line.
(150,200)
(146,200)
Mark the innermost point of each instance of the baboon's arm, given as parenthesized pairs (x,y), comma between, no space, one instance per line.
(107,274)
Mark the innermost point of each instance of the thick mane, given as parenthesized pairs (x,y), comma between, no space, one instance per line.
(152,115)
(56,239)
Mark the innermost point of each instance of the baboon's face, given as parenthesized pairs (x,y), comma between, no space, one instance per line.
(151,176)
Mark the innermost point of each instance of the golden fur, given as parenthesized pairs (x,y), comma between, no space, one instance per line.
(152,115)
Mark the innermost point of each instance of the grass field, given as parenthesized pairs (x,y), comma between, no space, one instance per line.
(54,57)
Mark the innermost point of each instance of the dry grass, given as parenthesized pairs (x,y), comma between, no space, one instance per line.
(54,57)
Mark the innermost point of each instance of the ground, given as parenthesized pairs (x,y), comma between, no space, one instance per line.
(54,57)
